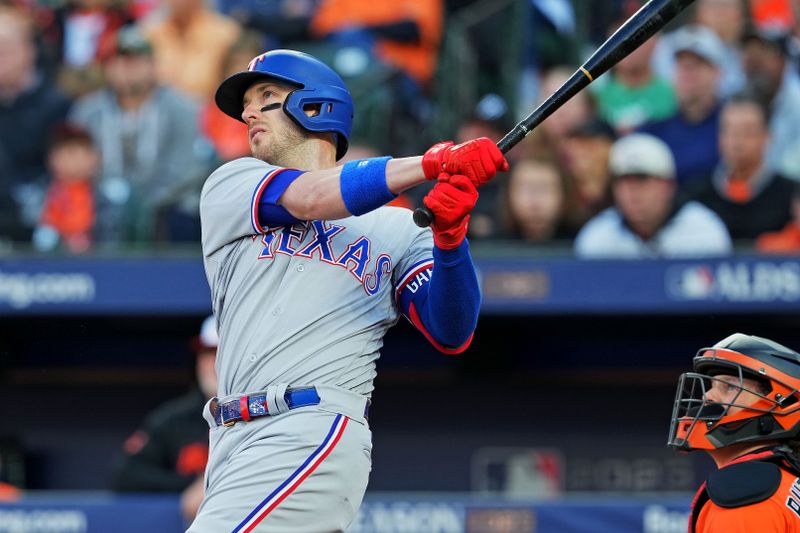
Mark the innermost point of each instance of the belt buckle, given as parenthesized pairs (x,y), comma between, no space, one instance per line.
(222,418)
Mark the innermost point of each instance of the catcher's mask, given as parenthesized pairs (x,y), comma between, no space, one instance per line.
(767,410)
(315,84)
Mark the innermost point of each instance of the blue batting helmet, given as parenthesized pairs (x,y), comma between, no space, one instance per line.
(316,83)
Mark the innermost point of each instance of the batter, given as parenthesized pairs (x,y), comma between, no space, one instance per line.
(308,269)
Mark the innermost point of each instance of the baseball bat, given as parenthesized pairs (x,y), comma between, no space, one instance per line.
(642,25)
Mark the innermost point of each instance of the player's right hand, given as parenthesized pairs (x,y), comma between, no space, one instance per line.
(451,200)
(479,159)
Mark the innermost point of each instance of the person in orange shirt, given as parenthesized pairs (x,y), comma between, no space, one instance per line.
(742,406)
(749,197)
(189,46)
(229,136)
(406,34)
(68,214)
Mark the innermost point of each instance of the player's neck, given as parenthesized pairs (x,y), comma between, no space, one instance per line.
(312,154)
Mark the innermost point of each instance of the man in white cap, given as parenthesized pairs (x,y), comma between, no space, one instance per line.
(727,19)
(646,220)
(168,453)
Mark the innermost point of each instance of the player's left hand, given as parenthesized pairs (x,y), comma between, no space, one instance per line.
(479,159)
(451,200)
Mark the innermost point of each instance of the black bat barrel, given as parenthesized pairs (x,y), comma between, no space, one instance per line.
(645,23)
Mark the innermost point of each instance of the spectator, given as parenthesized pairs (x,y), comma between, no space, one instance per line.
(229,136)
(404,34)
(549,39)
(150,146)
(170,451)
(787,240)
(547,140)
(691,133)
(774,79)
(68,215)
(535,202)
(29,107)
(750,198)
(190,44)
(632,94)
(490,119)
(282,21)
(726,19)
(646,220)
(85,28)
(587,147)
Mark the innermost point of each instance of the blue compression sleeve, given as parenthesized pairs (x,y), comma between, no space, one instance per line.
(447,305)
(270,213)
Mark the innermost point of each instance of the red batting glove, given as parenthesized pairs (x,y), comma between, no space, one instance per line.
(451,200)
(478,159)
(433,160)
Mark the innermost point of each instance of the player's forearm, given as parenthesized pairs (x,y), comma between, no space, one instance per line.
(444,303)
(404,173)
(317,194)
(451,313)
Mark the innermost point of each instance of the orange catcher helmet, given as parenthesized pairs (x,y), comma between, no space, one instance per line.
(774,415)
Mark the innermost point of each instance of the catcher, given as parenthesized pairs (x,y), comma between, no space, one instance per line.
(741,405)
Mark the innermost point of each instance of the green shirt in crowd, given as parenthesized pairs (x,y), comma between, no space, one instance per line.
(627,108)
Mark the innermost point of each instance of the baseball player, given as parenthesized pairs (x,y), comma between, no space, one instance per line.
(741,405)
(308,269)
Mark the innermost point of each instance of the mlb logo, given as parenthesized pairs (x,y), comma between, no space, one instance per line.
(695,282)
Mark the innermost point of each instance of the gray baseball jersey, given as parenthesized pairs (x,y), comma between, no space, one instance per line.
(305,304)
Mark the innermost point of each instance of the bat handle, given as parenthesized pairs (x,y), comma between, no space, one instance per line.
(423,217)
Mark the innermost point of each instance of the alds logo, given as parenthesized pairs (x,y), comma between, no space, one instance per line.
(355,258)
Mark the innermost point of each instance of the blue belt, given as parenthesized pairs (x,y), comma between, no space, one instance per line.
(248,407)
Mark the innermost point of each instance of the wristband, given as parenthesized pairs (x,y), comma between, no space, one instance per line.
(363,185)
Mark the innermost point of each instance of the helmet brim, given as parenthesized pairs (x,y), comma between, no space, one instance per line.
(231,91)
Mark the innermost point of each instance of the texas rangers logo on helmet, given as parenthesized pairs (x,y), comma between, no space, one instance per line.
(253,62)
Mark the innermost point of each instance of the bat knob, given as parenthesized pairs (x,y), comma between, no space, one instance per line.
(423,217)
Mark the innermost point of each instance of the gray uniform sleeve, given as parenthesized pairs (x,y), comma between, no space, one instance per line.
(418,257)
(229,202)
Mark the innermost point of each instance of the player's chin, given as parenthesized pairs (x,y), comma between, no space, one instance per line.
(260,150)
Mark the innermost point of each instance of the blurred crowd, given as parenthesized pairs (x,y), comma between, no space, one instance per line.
(689,146)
